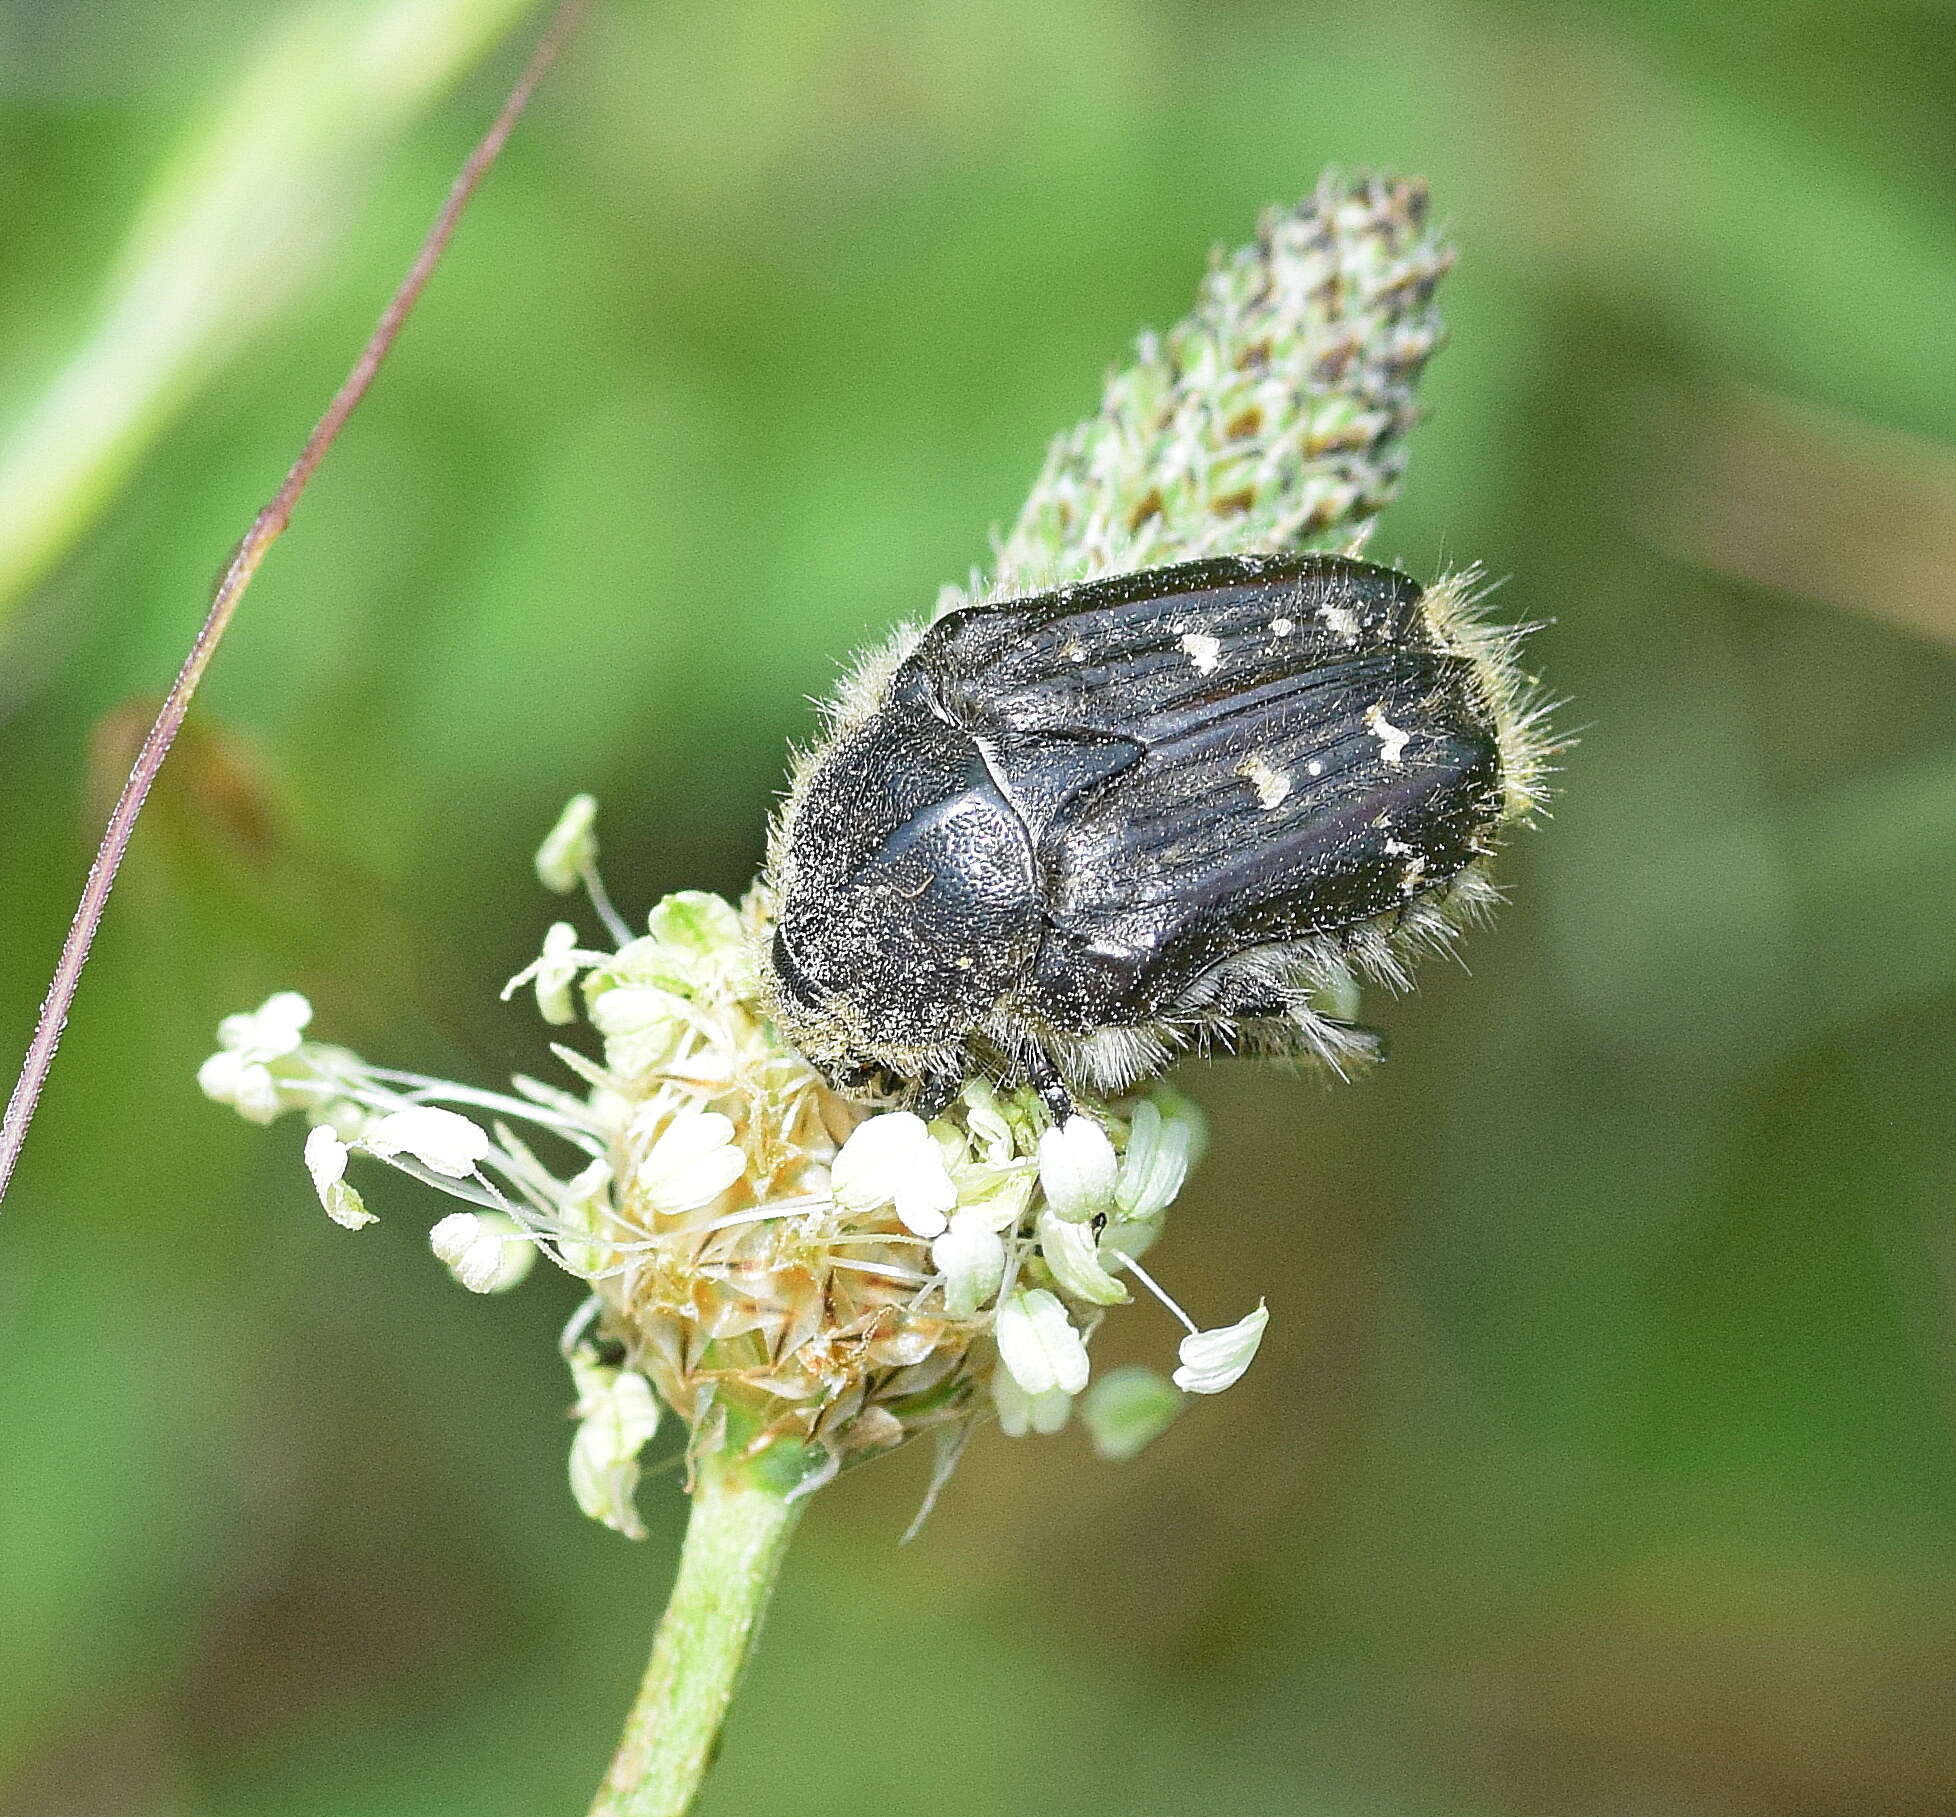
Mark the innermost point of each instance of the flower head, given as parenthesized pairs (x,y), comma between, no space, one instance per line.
(759,1251)
(1276,414)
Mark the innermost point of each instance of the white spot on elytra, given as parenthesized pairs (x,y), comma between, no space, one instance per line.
(1271,785)
(1282,627)
(1415,864)
(1392,741)
(1342,619)
(1315,767)
(1203,650)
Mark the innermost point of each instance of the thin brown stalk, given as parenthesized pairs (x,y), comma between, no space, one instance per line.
(265,530)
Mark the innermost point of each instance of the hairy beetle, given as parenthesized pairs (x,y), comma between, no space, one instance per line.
(1061,837)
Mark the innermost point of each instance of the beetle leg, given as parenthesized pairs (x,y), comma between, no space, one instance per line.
(1044,1078)
(934,1094)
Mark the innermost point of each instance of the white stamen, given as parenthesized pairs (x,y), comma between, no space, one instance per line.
(1154,1287)
(909,1276)
(484,1252)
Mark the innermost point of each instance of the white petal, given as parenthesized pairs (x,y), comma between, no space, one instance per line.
(693,1133)
(238,1078)
(326,1162)
(557,975)
(554,972)
(1078,1168)
(697,922)
(985,1117)
(925,1200)
(440,1140)
(485,1251)
(217,1078)
(617,1413)
(325,1159)
(1038,1344)
(641,1024)
(271,1031)
(1001,1199)
(693,1161)
(694,947)
(1072,1252)
(1162,1144)
(893,1159)
(345,1206)
(1020,1412)
(254,1093)
(1128,1409)
(635,1009)
(861,1177)
(1213,1360)
(570,848)
(971,1259)
(586,1205)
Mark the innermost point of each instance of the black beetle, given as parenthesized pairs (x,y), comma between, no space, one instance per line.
(1060,837)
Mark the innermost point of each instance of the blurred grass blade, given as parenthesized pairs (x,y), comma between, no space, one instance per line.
(232,226)
(266,528)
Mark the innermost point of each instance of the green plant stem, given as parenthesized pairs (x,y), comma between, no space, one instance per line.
(735,1541)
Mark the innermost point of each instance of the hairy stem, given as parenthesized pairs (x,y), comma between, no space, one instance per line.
(735,1541)
(266,528)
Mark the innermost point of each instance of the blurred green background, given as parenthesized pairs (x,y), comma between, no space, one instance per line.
(1601,1459)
